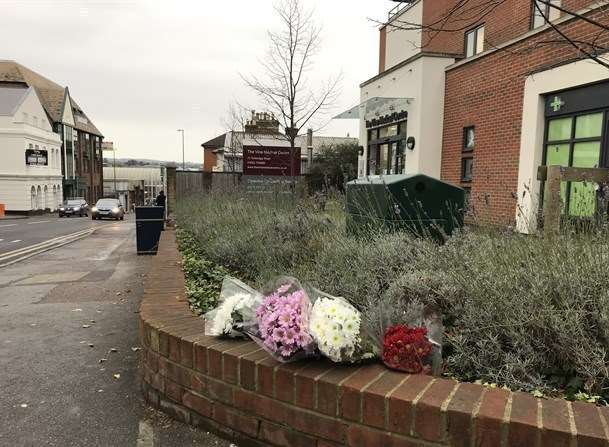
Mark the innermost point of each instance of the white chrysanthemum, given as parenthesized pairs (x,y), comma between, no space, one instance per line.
(335,325)
(222,321)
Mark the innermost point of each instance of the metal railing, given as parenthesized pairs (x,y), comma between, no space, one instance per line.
(397,10)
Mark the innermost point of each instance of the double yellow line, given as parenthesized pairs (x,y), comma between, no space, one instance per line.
(20,254)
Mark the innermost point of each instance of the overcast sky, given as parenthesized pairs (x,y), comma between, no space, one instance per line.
(141,69)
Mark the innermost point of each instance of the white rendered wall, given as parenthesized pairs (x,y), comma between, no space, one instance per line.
(423,81)
(402,43)
(533,125)
(28,125)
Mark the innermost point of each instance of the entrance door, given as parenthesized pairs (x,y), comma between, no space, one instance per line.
(386,153)
(578,140)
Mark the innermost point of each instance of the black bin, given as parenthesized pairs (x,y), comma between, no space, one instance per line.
(149,222)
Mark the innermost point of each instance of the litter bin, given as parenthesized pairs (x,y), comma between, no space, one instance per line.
(149,222)
(417,203)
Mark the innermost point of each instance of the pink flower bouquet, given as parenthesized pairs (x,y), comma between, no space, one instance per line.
(283,323)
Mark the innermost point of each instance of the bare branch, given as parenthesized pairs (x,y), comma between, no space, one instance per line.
(466,14)
(284,88)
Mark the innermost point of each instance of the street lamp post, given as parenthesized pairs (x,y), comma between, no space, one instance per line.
(183,161)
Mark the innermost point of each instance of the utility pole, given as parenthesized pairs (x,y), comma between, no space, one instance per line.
(183,161)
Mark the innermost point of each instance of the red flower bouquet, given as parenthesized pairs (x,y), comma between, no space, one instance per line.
(407,349)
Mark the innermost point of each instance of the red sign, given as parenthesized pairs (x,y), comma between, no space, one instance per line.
(271,161)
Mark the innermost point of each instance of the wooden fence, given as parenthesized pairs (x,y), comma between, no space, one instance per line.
(198,182)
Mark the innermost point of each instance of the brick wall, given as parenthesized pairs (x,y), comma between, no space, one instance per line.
(234,388)
(382,48)
(209,159)
(488,93)
(171,190)
(503,20)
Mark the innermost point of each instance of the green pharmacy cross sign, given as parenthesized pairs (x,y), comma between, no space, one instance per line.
(557,104)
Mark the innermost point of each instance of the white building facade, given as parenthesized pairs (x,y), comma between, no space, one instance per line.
(401,109)
(30,167)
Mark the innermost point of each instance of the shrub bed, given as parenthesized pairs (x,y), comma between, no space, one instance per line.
(518,311)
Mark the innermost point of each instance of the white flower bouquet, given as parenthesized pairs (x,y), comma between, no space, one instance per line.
(237,307)
(336,327)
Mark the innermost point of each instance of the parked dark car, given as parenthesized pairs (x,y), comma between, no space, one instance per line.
(108,208)
(74,207)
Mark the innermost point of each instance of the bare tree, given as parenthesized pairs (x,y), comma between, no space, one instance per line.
(465,14)
(234,123)
(283,87)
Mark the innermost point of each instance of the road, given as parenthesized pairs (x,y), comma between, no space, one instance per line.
(20,233)
(69,347)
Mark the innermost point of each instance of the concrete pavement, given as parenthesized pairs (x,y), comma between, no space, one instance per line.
(69,348)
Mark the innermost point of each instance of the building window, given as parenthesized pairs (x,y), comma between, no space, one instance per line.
(576,141)
(469,138)
(467,169)
(474,41)
(542,12)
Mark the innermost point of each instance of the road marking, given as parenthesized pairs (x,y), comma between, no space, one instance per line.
(40,244)
(38,222)
(15,241)
(14,256)
(1,240)
(9,225)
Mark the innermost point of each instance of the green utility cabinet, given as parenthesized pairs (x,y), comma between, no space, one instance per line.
(418,203)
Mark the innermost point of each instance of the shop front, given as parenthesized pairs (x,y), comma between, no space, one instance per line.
(577,135)
(387,144)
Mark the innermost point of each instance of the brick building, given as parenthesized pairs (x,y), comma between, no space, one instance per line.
(81,151)
(517,94)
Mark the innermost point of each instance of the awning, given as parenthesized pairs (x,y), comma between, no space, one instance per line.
(374,108)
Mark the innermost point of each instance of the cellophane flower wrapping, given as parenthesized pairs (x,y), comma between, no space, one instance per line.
(282,319)
(410,339)
(336,326)
(237,307)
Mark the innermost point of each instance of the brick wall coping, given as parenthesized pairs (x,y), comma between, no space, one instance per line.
(234,388)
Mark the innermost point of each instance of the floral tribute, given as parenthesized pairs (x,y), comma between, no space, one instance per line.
(236,307)
(227,316)
(407,349)
(283,319)
(335,326)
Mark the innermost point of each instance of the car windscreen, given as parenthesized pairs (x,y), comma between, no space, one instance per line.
(107,203)
(74,202)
